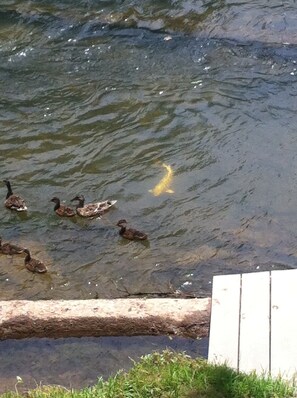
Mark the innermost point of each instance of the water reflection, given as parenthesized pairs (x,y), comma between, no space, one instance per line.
(78,363)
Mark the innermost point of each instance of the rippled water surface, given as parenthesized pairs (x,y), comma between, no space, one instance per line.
(96,95)
(77,363)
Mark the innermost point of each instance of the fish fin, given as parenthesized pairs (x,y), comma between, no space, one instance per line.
(169,191)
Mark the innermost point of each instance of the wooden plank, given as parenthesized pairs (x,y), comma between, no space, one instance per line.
(254,338)
(224,326)
(283,323)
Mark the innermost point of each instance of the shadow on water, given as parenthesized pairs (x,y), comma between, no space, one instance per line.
(79,363)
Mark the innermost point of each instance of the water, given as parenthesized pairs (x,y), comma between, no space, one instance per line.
(97,95)
(78,363)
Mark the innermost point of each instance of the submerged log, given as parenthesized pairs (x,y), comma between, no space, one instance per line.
(119,317)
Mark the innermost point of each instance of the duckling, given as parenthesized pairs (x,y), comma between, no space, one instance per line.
(34,265)
(62,210)
(92,209)
(13,202)
(10,249)
(130,233)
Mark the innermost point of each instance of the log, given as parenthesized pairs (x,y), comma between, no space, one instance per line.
(119,317)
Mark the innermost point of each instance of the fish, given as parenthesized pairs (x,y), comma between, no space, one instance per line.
(164,184)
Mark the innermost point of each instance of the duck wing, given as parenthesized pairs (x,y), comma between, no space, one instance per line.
(36,266)
(65,211)
(15,202)
(134,234)
(89,210)
(8,248)
(139,235)
(95,209)
(106,205)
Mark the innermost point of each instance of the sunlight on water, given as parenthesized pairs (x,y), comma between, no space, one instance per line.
(94,99)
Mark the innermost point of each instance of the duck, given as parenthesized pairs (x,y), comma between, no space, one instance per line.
(9,248)
(92,209)
(13,202)
(62,210)
(130,233)
(33,264)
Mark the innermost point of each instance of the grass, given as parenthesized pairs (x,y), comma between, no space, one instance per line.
(173,375)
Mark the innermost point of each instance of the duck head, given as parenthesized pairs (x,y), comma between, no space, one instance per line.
(80,199)
(121,222)
(57,201)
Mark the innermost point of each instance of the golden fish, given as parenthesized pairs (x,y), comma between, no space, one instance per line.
(163,185)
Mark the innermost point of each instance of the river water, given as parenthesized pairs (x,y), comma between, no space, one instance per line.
(96,95)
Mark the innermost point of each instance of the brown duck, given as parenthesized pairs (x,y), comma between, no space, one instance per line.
(13,202)
(9,248)
(130,233)
(33,264)
(62,210)
(92,209)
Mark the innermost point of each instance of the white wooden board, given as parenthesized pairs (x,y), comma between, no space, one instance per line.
(284,323)
(224,325)
(254,331)
(254,322)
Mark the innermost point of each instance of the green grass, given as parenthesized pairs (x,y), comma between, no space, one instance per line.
(173,375)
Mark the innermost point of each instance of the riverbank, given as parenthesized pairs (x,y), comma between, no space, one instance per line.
(169,374)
